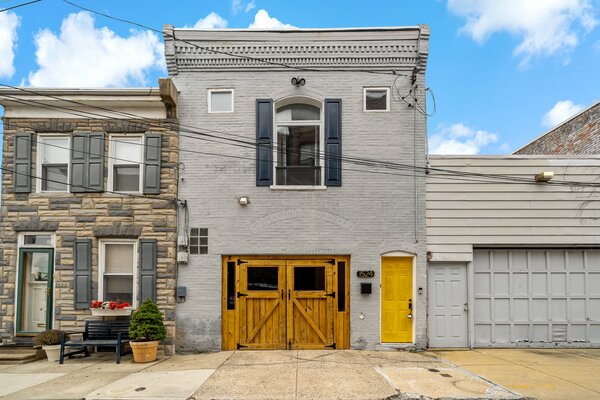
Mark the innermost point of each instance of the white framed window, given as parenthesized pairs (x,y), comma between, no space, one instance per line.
(220,101)
(52,166)
(376,99)
(36,239)
(125,163)
(298,145)
(198,240)
(117,271)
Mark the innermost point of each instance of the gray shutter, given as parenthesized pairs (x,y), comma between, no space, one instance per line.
(333,142)
(152,164)
(79,144)
(264,142)
(95,163)
(83,273)
(22,167)
(147,269)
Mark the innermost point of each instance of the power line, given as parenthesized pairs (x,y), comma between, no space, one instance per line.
(20,5)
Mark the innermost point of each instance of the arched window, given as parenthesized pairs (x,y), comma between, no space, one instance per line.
(299,146)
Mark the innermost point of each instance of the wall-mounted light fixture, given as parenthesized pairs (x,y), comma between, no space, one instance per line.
(544,176)
(298,81)
(243,200)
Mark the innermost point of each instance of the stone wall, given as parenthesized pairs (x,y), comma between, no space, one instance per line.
(87,216)
(580,135)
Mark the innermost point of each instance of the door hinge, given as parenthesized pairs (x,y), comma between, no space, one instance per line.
(332,346)
(332,261)
(241,346)
(240,262)
(241,295)
(332,294)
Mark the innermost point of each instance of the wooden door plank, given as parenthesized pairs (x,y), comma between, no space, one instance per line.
(262,320)
(310,321)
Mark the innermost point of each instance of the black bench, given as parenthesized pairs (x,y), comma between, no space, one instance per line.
(100,334)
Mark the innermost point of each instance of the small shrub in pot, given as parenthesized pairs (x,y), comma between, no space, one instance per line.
(146,329)
(50,342)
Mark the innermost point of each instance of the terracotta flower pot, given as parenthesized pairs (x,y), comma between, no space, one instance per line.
(144,352)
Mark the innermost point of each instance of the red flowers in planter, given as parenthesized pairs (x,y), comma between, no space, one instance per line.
(111,305)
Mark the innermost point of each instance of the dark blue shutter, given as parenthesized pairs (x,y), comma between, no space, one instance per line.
(333,142)
(152,164)
(264,142)
(87,163)
(22,167)
(147,269)
(82,269)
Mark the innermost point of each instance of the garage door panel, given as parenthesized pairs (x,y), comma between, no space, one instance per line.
(536,296)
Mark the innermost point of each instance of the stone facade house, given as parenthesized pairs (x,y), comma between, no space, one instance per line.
(301,235)
(579,134)
(89,189)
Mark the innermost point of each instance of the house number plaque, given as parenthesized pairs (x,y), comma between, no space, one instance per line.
(365,274)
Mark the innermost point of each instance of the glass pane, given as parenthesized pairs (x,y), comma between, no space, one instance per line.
(118,288)
(263,278)
(376,100)
(118,258)
(194,232)
(54,150)
(39,240)
(127,178)
(203,250)
(203,231)
(34,295)
(309,278)
(55,178)
(221,101)
(128,150)
(231,285)
(194,250)
(298,112)
(298,155)
(341,286)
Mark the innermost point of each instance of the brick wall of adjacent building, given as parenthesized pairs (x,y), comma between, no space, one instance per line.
(580,135)
(86,216)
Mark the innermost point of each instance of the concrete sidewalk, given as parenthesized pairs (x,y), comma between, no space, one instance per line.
(545,374)
(251,375)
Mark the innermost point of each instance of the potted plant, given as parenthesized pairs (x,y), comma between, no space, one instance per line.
(101,308)
(50,342)
(145,331)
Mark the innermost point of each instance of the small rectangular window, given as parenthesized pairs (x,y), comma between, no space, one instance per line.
(126,161)
(309,278)
(263,278)
(377,99)
(37,240)
(231,285)
(54,156)
(199,241)
(220,100)
(341,278)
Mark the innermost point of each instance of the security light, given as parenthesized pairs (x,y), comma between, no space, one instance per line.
(298,81)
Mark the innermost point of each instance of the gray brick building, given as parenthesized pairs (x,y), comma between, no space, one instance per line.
(300,235)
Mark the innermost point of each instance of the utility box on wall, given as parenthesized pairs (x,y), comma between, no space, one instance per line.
(366,288)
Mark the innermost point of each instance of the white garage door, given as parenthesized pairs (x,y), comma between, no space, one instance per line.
(536,296)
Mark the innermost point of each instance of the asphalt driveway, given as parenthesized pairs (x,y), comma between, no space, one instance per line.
(539,373)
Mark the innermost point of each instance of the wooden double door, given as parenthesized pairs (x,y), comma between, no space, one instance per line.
(284,304)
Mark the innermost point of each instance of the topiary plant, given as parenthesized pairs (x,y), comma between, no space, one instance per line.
(50,337)
(147,323)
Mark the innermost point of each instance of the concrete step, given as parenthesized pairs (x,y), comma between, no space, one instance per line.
(20,355)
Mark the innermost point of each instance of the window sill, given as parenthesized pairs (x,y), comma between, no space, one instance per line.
(297,187)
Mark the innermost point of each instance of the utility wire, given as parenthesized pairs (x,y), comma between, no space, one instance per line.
(19,5)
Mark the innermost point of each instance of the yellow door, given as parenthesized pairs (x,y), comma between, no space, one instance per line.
(262,305)
(396,299)
(310,304)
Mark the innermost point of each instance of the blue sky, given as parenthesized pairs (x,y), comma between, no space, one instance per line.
(503,72)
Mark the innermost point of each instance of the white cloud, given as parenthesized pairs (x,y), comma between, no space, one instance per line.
(262,20)
(561,111)
(460,139)
(8,40)
(239,5)
(211,21)
(545,27)
(83,55)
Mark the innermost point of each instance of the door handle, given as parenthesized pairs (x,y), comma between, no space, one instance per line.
(410,304)
(281,294)
(241,295)
(289,294)
(466,307)
(332,294)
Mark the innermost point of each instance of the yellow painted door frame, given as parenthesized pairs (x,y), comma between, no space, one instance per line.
(396,299)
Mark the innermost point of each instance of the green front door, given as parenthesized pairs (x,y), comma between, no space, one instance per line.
(34,296)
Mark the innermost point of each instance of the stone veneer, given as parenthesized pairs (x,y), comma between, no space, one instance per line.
(87,216)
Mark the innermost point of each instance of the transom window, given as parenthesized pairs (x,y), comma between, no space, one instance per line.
(377,99)
(298,146)
(118,267)
(125,163)
(53,163)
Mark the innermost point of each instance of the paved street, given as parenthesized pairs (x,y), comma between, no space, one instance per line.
(250,375)
(543,374)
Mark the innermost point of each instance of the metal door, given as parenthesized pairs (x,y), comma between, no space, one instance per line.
(448,305)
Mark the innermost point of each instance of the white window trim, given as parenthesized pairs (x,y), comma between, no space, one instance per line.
(21,240)
(39,160)
(221,90)
(112,161)
(102,266)
(320,124)
(387,103)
